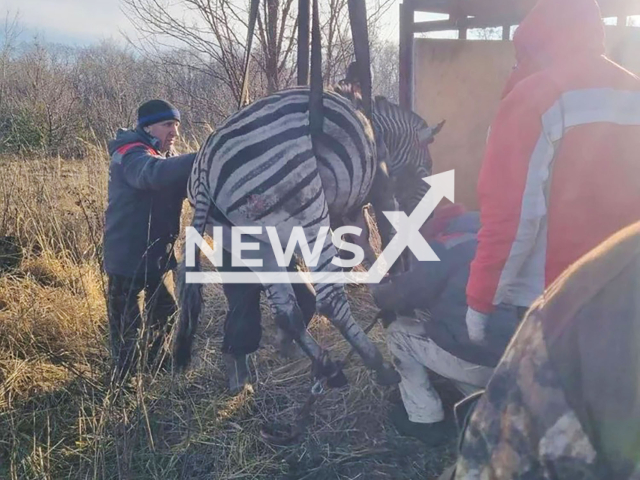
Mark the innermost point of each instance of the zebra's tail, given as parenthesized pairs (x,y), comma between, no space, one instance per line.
(190,294)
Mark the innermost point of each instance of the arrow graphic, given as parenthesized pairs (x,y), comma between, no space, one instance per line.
(407,235)
(408,227)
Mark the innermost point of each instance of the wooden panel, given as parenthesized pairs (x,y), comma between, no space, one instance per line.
(405,55)
(461,82)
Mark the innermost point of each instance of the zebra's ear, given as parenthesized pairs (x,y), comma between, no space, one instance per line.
(428,135)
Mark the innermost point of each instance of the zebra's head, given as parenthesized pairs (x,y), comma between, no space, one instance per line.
(407,137)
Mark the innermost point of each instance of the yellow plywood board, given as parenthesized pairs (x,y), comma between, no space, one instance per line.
(461,82)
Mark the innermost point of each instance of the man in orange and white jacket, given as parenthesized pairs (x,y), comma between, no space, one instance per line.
(562,167)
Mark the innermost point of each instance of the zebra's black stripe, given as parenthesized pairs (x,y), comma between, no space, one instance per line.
(306,204)
(289,195)
(273,180)
(251,151)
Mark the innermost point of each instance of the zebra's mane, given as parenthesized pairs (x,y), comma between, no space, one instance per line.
(347,90)
(381,104)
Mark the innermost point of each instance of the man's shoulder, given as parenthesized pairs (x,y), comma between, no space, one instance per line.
(141,146)
(126,140)
(535,93)
(129,142)
(583,281)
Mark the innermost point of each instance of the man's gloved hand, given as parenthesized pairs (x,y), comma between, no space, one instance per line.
(477,326)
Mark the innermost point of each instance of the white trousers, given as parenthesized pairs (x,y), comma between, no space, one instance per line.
(413,353)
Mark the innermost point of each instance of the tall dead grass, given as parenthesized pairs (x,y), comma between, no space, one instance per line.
(61,418)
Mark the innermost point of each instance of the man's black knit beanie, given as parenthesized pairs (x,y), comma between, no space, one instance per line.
(155,111)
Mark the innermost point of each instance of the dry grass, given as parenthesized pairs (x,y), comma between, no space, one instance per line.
(59,417)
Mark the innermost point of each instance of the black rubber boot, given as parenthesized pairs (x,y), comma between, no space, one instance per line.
(238,375)
(431,434)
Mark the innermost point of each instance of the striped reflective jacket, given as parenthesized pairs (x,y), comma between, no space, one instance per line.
(562,166)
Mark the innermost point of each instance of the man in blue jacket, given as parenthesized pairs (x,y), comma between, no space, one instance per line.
(147,186)
(436,338)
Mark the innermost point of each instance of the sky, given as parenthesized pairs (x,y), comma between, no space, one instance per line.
(78,22)
(83,22)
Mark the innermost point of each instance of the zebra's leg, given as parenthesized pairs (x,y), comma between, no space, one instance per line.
(306,298)
(332,302)
(360,220)
(289,317)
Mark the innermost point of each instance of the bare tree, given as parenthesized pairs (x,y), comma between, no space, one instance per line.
(56,98)
(213,37)
(489,33)
(109,83)
(338,47)
(41,103)
(277,32)
(337,38)
(384,70)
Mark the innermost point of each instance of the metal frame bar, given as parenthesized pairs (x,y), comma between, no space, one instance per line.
(467,14)
(609,8)
(303,42)
(462,24)
(405,55)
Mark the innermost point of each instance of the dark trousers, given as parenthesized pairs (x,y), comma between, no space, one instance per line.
(242,326)
(127,337)
(522,311)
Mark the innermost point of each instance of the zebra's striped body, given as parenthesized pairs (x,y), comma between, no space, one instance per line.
(262,168)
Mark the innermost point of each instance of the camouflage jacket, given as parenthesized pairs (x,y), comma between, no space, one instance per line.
(564,401)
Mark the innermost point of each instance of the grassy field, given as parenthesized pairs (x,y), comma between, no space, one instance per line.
(59,417)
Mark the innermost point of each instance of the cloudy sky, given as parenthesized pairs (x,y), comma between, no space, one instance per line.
(83,22)
(69,21)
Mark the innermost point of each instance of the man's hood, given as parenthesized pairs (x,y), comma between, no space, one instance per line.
(125,137)
(554,32)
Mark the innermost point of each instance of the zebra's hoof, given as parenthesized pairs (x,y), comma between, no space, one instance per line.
(387,375)
(329,370)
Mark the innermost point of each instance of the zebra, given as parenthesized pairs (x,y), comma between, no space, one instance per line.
(404,137)
(407,137)
(405,134)
(262,168)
